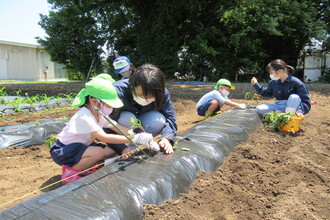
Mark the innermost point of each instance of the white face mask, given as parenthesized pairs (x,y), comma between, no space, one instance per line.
(224,92)
(274,77)
(142,101)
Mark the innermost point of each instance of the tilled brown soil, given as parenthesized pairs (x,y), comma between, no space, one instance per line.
(272,176)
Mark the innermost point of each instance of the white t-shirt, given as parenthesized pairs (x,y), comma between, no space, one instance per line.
(215,94)
(80,127)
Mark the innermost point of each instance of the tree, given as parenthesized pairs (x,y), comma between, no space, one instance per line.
(251,33)
(74,39)
(209,38)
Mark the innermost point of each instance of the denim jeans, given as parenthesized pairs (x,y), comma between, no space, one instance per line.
(153,122)
(279,105)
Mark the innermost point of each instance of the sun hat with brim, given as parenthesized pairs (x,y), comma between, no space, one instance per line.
(121,64)
(223,82)
(101,89)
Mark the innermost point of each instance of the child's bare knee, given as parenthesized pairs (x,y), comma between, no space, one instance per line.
(214,102)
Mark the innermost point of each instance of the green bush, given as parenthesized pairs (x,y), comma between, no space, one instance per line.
(326,75)
(73,75)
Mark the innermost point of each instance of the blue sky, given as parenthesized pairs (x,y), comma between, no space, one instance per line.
(19,20)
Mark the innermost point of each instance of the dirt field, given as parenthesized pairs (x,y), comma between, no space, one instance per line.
(272,176)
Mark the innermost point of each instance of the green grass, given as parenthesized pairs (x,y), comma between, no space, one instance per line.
(42,82)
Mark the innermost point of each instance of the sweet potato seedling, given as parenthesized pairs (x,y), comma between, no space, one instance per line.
(276,120)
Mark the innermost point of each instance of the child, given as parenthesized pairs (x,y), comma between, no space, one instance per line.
(291,94)
(123,66)
(213,101)
(76,148)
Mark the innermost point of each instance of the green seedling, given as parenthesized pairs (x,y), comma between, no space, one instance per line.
(3,91)
(17,109)
(247,96)
(45,100)
(255,96)
(58,99)
(30,99)
(64,118)
(136,124)
(276,120)
(68,96)
(18,92)
(51,140)
(175,145)
(37,123)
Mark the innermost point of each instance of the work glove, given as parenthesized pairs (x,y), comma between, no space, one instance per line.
(242,106)
(147,140)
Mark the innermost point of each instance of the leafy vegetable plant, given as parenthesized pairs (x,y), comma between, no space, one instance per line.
(255,96)
(50,141)
(276,120)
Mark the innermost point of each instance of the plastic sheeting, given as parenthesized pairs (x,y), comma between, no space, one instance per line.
(119,190)
(32,107)
(28,134)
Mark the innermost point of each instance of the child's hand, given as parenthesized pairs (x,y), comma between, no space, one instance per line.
(242,106)
(147,140)
(127,152)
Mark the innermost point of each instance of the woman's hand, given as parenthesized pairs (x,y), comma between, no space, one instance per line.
(164,143)
(254,80)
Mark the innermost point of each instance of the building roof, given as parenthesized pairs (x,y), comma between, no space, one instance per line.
(20,44)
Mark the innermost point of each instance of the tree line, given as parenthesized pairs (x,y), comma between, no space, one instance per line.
(213,38)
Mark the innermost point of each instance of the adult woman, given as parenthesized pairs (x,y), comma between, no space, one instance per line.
(145,98)
(288,90)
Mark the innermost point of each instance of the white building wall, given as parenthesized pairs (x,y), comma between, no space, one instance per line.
(21,63)
(25,62)
(313,65)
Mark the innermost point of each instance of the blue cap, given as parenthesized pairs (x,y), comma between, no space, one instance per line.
(121,64)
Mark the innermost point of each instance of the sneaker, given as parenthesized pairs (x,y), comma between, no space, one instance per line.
(69,172)
(208,114)
(218,112)
(90,171)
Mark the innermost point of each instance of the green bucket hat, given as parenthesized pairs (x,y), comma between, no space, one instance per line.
(105,76)
(99,88)
(223,82)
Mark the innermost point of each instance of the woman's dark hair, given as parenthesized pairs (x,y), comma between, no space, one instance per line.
(152,81)
(279,64)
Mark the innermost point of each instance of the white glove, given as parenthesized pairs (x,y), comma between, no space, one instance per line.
(147,140)
(242,106)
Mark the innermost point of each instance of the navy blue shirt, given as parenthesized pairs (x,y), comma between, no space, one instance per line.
(125,94)
(282,91)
